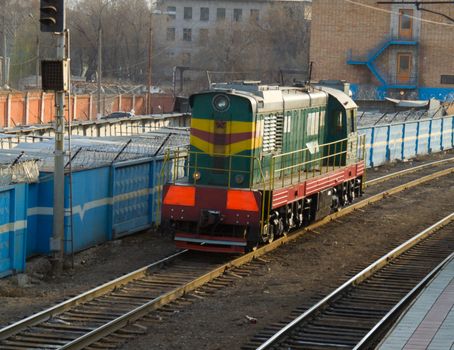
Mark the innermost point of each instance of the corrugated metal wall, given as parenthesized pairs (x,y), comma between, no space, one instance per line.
(13,227)
(399,141)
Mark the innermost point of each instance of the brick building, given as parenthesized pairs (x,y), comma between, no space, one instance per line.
(384,50)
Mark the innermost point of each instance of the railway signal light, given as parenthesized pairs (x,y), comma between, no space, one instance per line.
(55,75)
(52,16)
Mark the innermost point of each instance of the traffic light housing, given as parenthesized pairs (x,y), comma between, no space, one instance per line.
(52,16)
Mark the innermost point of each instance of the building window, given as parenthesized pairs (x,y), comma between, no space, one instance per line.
(170,34)
(187,13)
(255,15)
(203,36)
(187,34)
(186,58)
(447,79)
(204,14)
(171,12)
(220,14)
(237,14)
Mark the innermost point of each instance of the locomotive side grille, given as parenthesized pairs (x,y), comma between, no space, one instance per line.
(272,133)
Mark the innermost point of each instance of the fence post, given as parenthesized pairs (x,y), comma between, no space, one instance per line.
(452,132)
(402,156)
(429,148)
(74,107)
(134,102)
(90,103)
(418,123)
(27,105)
(388,149)
(372,141)
(441,133)
(8,110)
(41,115)
(119,103)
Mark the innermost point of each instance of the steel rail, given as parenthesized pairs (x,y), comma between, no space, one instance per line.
(82,298)
(407,171)
(372,334)
(137,313)
(355,280)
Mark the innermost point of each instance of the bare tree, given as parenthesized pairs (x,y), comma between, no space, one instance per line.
(258,50)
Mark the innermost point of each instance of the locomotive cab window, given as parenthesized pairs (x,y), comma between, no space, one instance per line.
(352,120)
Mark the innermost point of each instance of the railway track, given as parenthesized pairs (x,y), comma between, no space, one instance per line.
(355,314)
(396,174)
(86,319)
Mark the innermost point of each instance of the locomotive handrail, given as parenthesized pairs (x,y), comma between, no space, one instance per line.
(275,169)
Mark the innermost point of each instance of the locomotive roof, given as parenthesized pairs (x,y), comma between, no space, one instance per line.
(270,98)
(273,97)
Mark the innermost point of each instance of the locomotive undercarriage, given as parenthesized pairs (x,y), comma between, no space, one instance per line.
(211,231)
(307,210)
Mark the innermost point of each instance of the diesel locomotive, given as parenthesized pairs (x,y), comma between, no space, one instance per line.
(263,160)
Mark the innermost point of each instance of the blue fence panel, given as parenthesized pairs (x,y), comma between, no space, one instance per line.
(448,133)
(131,184)
(409,141)
(380,150)
(396,132)
(91,209)
(91,204)
(435,137)
(424,136)
(405,140)
(13,228)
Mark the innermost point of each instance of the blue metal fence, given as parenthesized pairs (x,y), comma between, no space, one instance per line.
(13,228)
(405,140)
(108,202)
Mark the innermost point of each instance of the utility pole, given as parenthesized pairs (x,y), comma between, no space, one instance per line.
(150,52)
(37,61)
(99,114)
(5,64)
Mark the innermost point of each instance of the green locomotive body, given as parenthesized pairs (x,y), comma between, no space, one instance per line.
(260,150)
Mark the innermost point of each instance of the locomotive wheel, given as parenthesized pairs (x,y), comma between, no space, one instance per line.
(278,229)
(267,234)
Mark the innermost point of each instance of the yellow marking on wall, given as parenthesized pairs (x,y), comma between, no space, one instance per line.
(409,138)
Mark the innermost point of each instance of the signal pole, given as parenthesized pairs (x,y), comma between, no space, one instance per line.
(58,237)
(55,77)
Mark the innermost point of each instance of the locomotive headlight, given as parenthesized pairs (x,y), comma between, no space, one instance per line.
(221,103)
(239,179)
(196,175)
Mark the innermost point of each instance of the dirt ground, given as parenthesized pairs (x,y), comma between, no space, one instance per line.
(290,280)
(300,273)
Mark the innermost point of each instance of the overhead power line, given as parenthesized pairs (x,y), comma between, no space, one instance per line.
(418,5)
